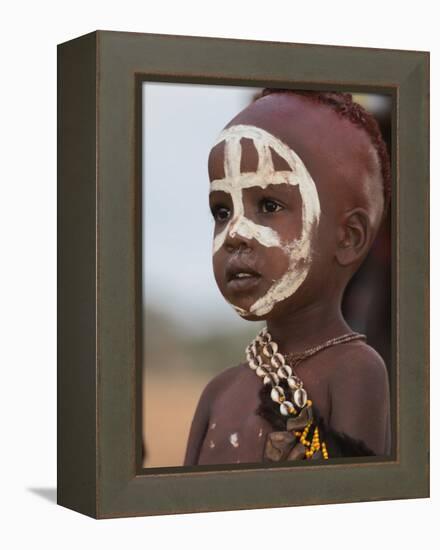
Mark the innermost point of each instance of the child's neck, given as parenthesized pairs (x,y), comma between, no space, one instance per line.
(297,331)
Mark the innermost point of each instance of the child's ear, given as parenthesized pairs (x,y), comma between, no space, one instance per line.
(354,237)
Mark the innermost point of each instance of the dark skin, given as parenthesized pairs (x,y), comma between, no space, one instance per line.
(347,383)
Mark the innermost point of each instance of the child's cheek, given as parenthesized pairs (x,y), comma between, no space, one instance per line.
(218,263)
(272,262)
(277,260)
(289,227)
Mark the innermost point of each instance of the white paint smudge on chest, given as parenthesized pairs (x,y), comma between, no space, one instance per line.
(233,439)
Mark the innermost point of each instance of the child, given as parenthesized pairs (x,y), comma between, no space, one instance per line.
(300,182)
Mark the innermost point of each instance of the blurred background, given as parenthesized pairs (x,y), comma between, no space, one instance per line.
(190,333)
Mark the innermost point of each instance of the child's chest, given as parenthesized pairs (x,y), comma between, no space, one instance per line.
(235,434)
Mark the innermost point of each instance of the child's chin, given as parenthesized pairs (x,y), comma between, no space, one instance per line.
(250,317)
(247,315)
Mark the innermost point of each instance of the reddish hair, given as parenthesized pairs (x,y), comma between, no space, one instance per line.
(344,106)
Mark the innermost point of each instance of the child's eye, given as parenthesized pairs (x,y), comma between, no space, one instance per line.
(269,206)
(221,213)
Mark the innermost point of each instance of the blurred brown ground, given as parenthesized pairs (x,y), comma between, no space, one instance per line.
(168,410)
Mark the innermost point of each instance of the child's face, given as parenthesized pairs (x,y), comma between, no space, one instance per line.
(266,210)
(278,224)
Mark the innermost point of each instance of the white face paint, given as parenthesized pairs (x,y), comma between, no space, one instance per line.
(299,250)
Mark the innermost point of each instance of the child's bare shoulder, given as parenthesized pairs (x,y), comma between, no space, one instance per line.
(357,361)
(225,379)
(357,368)
(359,395)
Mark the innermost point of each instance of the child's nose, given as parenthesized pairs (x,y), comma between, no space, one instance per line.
(237,236)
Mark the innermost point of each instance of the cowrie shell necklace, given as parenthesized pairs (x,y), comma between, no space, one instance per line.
(272,366)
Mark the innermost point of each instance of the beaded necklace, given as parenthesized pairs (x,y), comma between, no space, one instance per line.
(302,439)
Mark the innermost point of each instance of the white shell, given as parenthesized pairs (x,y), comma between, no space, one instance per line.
(292,383)
(284,408)
(276,393)
(273,346)
(266,351)
(277,360)
(271,378)
(261,370)
(285,371)
(300,397)
(252,364)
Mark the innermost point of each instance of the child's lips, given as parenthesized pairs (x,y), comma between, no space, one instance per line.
(241,277)
(244,283)
(241,274)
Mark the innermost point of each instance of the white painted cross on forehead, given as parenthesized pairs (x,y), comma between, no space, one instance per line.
(234,181)
(299,250)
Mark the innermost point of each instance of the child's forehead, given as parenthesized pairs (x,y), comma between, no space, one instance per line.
(330,146)
(246,148)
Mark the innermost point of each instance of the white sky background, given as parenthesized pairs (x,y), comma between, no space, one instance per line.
(180,124)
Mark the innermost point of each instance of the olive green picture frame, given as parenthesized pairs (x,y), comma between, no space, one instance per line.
(99,273)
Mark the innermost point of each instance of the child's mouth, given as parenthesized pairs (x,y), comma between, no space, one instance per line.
(244,283)
(242,279)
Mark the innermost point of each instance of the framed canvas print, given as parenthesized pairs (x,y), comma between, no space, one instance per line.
(243,274)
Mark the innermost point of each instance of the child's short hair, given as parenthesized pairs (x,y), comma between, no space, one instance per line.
(344,106)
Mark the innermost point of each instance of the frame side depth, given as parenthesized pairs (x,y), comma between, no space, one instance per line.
(76,361)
